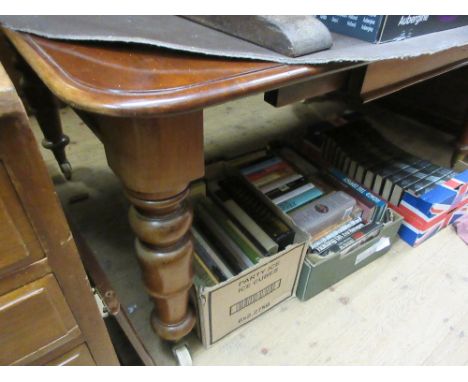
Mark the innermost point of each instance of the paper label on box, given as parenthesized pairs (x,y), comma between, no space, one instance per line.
(246,297)
(384,242)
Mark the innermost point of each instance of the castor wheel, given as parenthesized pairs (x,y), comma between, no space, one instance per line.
(66,169)
(182,354)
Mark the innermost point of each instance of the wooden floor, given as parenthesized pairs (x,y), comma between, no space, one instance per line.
(409,307)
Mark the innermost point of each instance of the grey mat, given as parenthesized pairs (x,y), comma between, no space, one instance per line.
(181,34)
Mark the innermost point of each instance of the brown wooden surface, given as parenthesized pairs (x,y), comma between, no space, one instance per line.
(117,79)
(31,205)
(18,242)
(386,77)
(308,89)
(46,110)
(79,356)
(156,159)
(26,275)
(34,319)
(109,295)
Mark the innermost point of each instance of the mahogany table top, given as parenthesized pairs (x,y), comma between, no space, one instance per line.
(129,80)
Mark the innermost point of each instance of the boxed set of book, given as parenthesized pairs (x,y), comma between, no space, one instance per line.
(379,29)
(428,196)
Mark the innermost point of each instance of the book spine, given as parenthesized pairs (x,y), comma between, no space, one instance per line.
(243,221)
(280,166)
(327,246)
(271,177)
(293,193)
(333,234)
(259,211)
(207,278)
(300,200)
(279,183)
(380,205)
(259,166)
(237,259)
(270,246)
(286,188)
(357,238)
(235,234)
(210,257)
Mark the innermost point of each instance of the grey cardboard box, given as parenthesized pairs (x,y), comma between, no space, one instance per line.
(316,277)
(223,308)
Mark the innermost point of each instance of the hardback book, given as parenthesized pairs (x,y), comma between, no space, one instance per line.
(294,202)
(416,183)
(259,211)
(237,260)
(281,184)
(210,257)
(323,212)
(285,188)
(201,270)
(252,230)
(373,206)
(244,245)
(390,181)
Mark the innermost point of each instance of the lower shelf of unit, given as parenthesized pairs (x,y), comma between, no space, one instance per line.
(408,307)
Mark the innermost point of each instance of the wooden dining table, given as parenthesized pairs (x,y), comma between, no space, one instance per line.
(146,105)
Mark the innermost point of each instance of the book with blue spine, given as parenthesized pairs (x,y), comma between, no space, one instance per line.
(380,204)
(300,200)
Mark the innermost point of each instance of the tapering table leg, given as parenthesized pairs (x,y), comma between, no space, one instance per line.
(46,107)
(461,146)
(156,159)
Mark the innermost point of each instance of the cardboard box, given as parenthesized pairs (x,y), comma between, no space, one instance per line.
(429,213)
(379,29)
(316,277)
(225,307)
(415,236)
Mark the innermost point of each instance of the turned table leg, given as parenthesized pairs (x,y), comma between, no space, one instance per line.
(46,108)
(156,159)
(461,146)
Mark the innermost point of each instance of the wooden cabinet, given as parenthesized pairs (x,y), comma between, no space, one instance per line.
(48,314)
(79,356)
(18,244)
(34,320)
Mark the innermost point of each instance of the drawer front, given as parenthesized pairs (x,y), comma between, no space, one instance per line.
(79,356)
(19,245)
(34,320)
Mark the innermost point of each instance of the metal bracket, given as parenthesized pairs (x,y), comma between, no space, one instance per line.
(100,303)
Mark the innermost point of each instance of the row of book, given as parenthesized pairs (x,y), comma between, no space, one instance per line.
(249,214)
(337,213)
(364,155)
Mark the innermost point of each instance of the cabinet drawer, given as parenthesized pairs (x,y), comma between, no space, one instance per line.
(79,356)
(34,320)
(19,245)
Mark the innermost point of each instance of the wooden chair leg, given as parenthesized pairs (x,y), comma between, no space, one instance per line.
(156,159)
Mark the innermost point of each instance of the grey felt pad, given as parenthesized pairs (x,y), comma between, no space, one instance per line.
(181,34)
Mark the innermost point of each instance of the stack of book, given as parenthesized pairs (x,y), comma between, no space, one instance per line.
(337,213)
(248,214)
(364,155)
(427,196)
(227,238)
